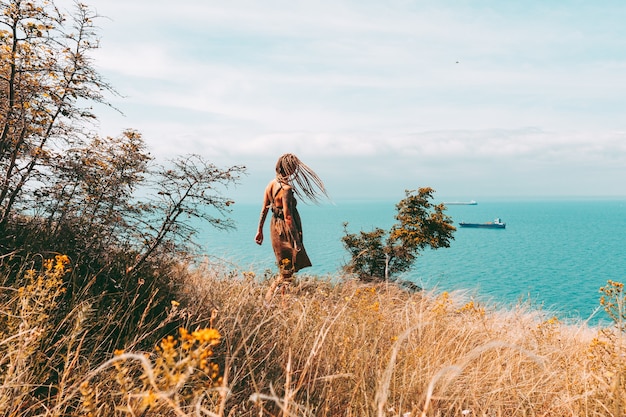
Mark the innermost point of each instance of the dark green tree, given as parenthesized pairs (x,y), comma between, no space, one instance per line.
(381,255)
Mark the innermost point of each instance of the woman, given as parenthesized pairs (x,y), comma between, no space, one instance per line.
(293,178)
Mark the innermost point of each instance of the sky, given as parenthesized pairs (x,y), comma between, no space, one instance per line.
(478,99)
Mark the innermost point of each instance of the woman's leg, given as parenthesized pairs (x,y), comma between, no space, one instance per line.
(284,278)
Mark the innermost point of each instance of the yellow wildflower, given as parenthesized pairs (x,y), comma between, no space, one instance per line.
(207,335)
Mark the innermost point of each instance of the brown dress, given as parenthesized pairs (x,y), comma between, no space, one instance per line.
(287,242)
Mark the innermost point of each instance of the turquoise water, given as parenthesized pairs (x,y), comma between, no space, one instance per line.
(554,254)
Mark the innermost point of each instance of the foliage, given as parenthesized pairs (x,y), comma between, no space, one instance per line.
(613,300)
(122,222)
(380,255)
(180,374)
(607,350)
(186,190)
(61,182)
(91,193)
(368,253)
(47,83)
(26,325)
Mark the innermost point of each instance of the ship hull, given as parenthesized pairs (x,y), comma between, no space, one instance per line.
(460,203)
(484,225)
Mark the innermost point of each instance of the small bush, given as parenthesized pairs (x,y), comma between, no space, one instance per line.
(378,255)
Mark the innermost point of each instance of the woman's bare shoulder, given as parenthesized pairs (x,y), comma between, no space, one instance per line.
(270,186)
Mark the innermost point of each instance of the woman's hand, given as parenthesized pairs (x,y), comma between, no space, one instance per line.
(259,237)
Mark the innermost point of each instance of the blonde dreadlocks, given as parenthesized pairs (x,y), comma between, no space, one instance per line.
(305,182)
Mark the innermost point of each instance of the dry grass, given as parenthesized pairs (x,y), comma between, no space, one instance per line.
(326,349)
(351,349)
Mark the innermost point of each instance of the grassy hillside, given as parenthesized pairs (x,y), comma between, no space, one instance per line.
(320,348)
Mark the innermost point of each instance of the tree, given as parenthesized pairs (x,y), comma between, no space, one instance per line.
(186,190)
(92,189)
(47,85)
(121,221)
(63,188)
(379,255)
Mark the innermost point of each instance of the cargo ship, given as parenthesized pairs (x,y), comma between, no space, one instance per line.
(496,224)
(461,203)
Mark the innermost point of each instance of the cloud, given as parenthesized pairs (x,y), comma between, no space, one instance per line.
(397,90)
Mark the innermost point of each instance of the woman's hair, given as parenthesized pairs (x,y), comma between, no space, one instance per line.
(305,182)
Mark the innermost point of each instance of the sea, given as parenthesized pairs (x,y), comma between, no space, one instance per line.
(553,256)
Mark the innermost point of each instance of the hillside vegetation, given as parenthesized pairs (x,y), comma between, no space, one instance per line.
(321,348)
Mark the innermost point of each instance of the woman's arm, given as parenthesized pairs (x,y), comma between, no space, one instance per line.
(266,206)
